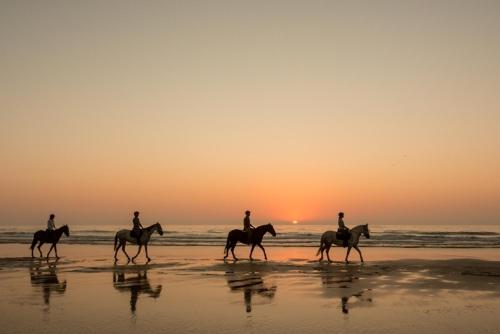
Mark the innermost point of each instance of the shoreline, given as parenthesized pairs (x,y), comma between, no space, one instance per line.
(274,253)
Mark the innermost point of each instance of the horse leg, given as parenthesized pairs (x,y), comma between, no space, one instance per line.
(360,255)
(232,251)
(123,249)
(39,250)
(328,253)
(116,251)
(138,252)
(320,250)
(55,249)
(261,247)
(146,249)
(251,251)
(32,249)
(50,250)
(347,255)
(226,250)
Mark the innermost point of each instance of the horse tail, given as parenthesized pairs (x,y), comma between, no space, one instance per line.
(322,242)
(227,243)
(116,240)
(33,243)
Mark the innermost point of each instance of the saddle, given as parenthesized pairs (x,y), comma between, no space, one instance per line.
(49,235)
(135,234)
(343,235)
(248,236)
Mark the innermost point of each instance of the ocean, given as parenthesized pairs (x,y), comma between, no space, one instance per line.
(405,236)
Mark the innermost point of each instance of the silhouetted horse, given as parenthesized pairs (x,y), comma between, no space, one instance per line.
(256,239)
(123,236)
(48,237)
(330,237)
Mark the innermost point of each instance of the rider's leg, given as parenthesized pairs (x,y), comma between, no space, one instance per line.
(138,235)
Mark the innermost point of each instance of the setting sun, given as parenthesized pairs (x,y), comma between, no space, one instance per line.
(295,222)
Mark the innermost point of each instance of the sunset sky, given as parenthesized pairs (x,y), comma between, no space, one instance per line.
(193,111)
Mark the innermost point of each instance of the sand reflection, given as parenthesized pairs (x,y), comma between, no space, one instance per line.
(250,284)
(43,276)
(346,286)
(137,283)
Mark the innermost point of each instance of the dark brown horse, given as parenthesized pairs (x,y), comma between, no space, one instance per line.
(256,239)
(48,237)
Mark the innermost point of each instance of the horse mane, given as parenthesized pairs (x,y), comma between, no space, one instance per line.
(151,226)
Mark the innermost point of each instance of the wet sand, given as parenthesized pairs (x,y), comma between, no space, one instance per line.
(191,290)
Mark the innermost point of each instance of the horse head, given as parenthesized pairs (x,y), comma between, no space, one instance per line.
(158,228)
(65,230)
(366,231)
(270,229)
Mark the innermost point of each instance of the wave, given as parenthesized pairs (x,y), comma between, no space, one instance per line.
(288,236)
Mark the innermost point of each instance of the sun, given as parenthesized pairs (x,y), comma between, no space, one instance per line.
(295,222)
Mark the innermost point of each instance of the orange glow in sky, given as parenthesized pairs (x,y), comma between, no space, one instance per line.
(293,111)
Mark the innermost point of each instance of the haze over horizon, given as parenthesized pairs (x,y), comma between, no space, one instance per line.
(196,111)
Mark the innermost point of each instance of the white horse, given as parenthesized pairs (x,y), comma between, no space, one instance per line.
(124,235)
(330,237)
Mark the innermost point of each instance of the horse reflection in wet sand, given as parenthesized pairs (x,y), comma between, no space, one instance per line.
(137,283)
(251,284)
(346,286)
(44,275)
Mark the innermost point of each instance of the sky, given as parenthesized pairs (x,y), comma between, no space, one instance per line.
(194,111)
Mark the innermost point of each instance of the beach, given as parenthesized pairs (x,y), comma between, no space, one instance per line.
(192,290)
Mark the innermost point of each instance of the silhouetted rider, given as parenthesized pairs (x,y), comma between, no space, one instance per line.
(343,230)
(247,226)
(51,226)
(137,229)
